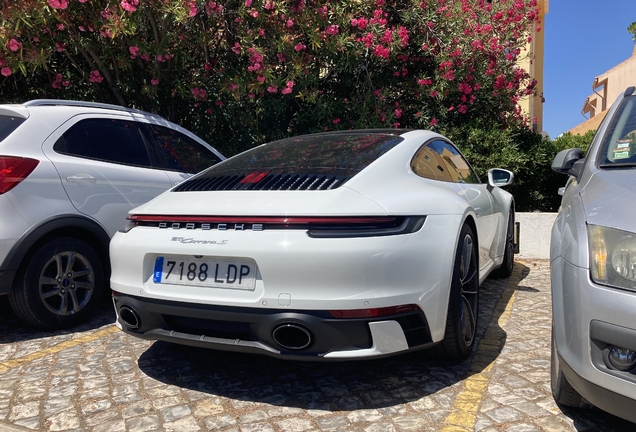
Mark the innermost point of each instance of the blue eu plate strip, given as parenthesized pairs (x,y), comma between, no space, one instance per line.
(158,269)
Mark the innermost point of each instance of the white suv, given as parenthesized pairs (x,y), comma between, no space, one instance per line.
(69,173)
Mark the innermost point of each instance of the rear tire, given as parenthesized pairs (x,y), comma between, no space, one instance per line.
(509,250)
(463,303)
(59,286)
(563,393)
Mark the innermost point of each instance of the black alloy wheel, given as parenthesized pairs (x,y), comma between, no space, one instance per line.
(463,305)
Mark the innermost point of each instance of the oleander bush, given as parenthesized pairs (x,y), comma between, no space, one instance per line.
(242,72)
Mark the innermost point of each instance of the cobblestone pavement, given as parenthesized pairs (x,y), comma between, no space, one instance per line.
(96,378)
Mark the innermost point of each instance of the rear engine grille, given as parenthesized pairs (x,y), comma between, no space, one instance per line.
(265,182)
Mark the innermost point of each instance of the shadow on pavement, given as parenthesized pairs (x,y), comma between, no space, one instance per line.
(355,385)
(13,330)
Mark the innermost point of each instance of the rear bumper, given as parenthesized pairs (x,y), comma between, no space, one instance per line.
(257,331)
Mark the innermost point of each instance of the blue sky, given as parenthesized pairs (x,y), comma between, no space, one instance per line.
(583,39)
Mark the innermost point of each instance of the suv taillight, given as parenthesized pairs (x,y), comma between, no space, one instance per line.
(13,170)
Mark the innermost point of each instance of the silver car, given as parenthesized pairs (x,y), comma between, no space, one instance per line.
(593,265)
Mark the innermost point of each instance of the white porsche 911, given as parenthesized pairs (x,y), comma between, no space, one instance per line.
(329,246)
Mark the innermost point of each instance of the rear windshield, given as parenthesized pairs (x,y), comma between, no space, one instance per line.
(619,144)
(340,155)
(8,124)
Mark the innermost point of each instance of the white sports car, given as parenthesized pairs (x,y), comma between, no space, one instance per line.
(328,246)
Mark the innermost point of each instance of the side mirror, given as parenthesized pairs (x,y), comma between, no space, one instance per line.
(498,177)
(569,162)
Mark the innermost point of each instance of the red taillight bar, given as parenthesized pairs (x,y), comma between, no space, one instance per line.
(293,220)
(374,312)
(13,170)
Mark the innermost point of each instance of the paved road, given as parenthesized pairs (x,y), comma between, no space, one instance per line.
(99,379)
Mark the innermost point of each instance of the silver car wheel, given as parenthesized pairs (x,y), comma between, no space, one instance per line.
(66,283)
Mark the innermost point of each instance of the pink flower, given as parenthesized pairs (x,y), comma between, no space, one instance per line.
(300,47)
(81,28)
(236,49)
(425,81)
(59,82)
(261,78)
(434,93)
(218,103)
(58,4)
(145,57)
(398,113)
(199,93)
(322,11)
(269,5)
(289,23)
(6,71)
(500,81)
(433,122)
(154,81)
(465,88)
(387,38)
(95,77)
(14,45)
(193,9)
(396,125)
(255,14)
(60,27)
(129,5)
(59,46)
(336,121)
(134,51)
(290,84)
(381,52)
(232,87)
(462,108)
(332,30)
(272,89)
(281,57)
(248,3)
(286,90)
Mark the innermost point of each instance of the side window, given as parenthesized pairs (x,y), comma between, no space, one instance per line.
(108,140)
(439,160)
(178,152)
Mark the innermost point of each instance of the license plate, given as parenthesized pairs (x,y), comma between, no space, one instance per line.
(205,272)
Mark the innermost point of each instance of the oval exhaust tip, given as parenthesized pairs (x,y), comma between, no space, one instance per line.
(292,336)
(130,317)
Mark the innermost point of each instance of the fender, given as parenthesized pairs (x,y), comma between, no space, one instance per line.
(62,225)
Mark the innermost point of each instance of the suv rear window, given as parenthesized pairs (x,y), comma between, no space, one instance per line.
(310,162)
(8,124)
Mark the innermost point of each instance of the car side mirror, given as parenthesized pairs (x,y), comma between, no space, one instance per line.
(498,177)
(569,162)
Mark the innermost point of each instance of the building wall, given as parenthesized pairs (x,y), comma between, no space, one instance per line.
(533,105)
(606,88)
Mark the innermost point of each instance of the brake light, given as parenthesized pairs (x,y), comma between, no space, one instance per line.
(13,170)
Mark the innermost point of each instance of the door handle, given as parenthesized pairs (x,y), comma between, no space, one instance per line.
(81,178)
